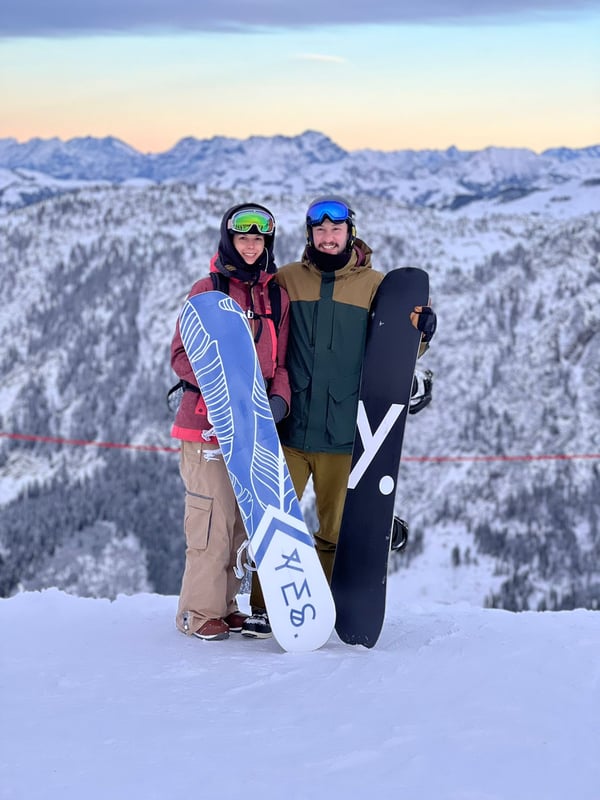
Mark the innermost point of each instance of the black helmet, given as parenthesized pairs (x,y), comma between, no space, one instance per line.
(334,208)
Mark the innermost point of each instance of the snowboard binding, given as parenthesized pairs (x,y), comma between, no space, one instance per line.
(421,390)
(399,535)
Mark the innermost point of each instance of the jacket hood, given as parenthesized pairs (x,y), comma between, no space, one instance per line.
(259,277)
(230,262)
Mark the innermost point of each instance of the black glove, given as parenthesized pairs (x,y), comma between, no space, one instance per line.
(278,407)
(427,323)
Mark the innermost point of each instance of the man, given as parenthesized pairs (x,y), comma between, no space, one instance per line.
(330,291)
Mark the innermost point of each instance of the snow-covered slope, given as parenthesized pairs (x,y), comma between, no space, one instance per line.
(107,700)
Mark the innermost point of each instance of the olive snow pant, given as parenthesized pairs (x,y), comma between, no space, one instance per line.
(330,472)
(213,531)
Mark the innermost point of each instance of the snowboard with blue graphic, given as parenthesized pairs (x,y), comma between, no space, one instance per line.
(220,347)
(360,568)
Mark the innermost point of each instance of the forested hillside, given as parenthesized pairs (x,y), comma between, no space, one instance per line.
(92,284)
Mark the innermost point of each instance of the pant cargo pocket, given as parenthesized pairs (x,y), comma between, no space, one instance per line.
(198,511)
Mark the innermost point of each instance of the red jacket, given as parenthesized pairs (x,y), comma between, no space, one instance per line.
(191,418)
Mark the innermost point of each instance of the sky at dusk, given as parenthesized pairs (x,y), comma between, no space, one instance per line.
(381,74)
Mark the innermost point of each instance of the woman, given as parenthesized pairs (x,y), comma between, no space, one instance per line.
(243,267)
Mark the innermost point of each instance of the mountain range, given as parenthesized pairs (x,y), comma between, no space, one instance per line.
(308,163)
(99,245)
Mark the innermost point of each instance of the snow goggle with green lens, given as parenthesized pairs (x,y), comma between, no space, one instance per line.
(248,218)
(335,210)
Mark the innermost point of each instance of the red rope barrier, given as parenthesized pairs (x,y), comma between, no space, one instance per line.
(432,459)
(541,457)
(85,443)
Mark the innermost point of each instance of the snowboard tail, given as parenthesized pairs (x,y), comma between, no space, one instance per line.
(359,578)
(221,350)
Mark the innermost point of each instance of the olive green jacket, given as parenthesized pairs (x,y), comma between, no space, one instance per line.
(328,322)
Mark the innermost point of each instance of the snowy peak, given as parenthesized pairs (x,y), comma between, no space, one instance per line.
(89,158)
(497,164)
(85,158)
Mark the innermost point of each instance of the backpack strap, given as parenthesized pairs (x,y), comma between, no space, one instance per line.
(221,284)
(180,386)
(275,300)
(175,388)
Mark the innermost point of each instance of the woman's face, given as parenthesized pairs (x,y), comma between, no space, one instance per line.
(249,245)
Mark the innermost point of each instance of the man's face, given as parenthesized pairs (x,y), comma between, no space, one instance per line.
(330,237)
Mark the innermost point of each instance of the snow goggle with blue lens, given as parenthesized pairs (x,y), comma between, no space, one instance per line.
(243,221)
(335,210)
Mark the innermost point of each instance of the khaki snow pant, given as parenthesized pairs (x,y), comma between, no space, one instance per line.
(330,472)
(213,532)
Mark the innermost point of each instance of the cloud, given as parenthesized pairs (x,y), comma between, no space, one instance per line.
(74,17)
(321,57)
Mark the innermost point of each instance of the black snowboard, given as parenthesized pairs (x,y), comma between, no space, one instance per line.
(360,568)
